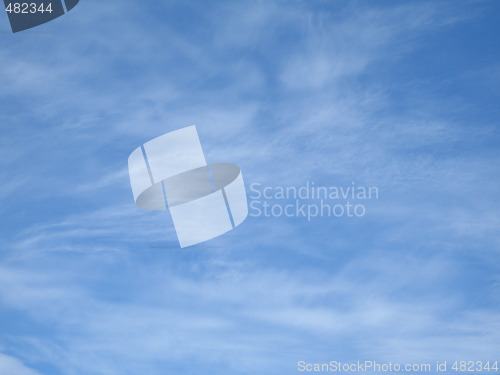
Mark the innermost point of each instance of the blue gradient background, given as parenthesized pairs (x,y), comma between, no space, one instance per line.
(399,95)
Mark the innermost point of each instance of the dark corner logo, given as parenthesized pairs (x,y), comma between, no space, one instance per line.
(31,13)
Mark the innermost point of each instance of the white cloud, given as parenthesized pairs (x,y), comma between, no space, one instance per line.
(12,366)
(285,109)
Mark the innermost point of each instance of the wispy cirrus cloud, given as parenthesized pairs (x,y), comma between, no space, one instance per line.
(361,302)
(290,92)
(12,366)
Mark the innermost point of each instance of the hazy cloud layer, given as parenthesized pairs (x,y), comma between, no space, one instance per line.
(399,96)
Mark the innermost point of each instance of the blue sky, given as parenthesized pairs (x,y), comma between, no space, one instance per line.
(399,95)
